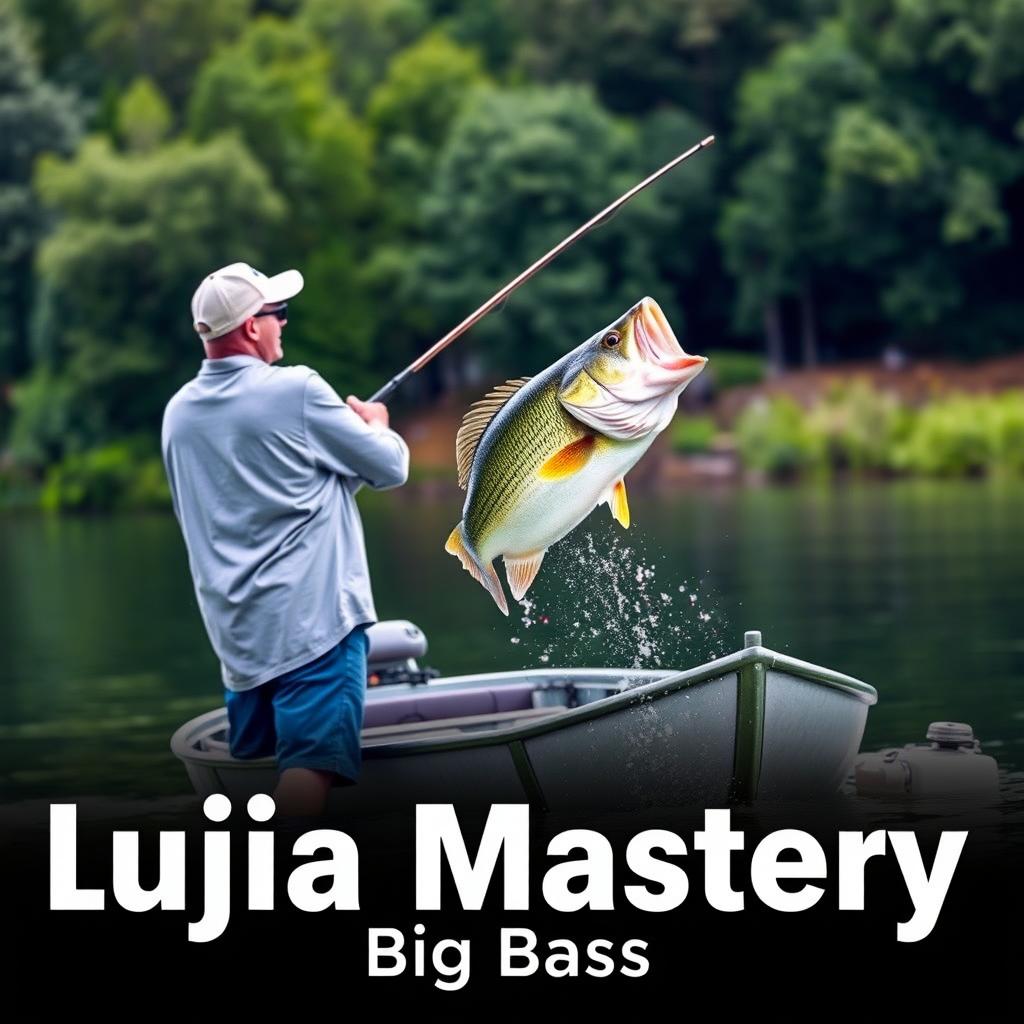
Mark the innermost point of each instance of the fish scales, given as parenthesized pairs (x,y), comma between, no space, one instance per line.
(534,422)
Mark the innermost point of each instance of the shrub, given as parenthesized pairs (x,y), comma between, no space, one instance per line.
(1008,431)
(859,428)
(729,369)
(773,436)
(122,475)
(951,437)
(692,434)
(858,425)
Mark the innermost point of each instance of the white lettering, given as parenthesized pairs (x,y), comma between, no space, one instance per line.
(642,965)
(169,892)
(927,893)
(343,865)
(673,878)
(597,867)
(519,951)
(718,841)
(766,869)
(378,951)
(64,891)
(854,852)
(507,828)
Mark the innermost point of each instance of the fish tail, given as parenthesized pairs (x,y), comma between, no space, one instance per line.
(457,545)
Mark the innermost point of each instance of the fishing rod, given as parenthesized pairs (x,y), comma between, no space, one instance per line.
(499,296)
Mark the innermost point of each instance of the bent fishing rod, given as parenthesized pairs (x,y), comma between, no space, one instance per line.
(499,296)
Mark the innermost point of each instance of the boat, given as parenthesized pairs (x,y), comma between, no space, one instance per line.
(755,725)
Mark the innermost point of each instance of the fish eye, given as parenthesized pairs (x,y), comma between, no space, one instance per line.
(610,340)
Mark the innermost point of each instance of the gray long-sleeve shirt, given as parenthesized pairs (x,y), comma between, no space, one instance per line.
(263,464)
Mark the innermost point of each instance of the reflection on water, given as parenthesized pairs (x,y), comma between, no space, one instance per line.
(914,587)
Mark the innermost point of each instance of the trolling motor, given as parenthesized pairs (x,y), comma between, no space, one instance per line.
(950,764)
(394,647)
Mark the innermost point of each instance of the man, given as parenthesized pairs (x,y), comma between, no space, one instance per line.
(263,465)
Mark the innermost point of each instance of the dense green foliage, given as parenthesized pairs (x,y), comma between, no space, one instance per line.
(411,156)
(883,171)
(527,167)
(859,429)
(133,227)
(35,117)
(122,475)
(693,435)
(729,369)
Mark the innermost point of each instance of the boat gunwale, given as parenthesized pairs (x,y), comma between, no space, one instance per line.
(662,685)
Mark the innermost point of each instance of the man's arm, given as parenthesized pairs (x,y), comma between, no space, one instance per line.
(165,452)
(343,442)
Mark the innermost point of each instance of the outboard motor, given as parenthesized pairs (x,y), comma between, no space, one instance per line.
(394,647)
(951,764)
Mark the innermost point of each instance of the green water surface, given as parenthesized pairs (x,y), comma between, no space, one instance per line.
(914,587)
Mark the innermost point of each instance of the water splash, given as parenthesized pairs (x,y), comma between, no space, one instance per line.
(604,600)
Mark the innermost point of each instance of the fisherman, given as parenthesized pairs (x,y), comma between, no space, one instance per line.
(263,464)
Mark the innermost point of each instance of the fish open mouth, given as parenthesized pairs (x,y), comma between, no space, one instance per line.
(658,343)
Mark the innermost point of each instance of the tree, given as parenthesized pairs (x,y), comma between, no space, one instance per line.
(167,41)
(520,170)
(757,231)
(35,118)
(143,116)
(677,218)
(273,86)
(932,167)
(362,38)
(874,196)
(411,112)
(425,87)
(136,233)
(489,26)
(686,53)
(56,30)
(774,231)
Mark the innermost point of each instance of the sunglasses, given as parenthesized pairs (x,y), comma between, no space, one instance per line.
(281,312)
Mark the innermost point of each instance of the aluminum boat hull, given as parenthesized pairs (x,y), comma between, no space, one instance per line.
(754,725)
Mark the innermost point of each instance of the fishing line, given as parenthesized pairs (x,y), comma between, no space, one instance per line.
(502,294)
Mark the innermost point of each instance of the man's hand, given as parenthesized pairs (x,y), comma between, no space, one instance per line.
(369,412)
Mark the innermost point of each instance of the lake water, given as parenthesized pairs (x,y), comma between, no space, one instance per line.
(914,587)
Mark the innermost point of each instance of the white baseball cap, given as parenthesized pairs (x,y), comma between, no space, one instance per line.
(229,296)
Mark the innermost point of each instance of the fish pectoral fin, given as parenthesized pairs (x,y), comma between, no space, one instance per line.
(484,574)
(521,571)
(569,460)
(616,498)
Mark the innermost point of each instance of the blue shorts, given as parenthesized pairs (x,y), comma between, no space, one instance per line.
(310,717)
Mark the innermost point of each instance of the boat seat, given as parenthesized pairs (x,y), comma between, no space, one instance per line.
(429,706)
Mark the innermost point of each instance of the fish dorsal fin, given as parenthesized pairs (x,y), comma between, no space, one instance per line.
(474,423)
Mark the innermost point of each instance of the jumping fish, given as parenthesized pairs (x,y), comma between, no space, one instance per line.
(538,454)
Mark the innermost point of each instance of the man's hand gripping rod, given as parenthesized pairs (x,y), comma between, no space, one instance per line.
(498,297)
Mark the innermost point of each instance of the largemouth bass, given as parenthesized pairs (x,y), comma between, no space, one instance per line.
(538,454)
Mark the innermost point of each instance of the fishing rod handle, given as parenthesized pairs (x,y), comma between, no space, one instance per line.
(384,393)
